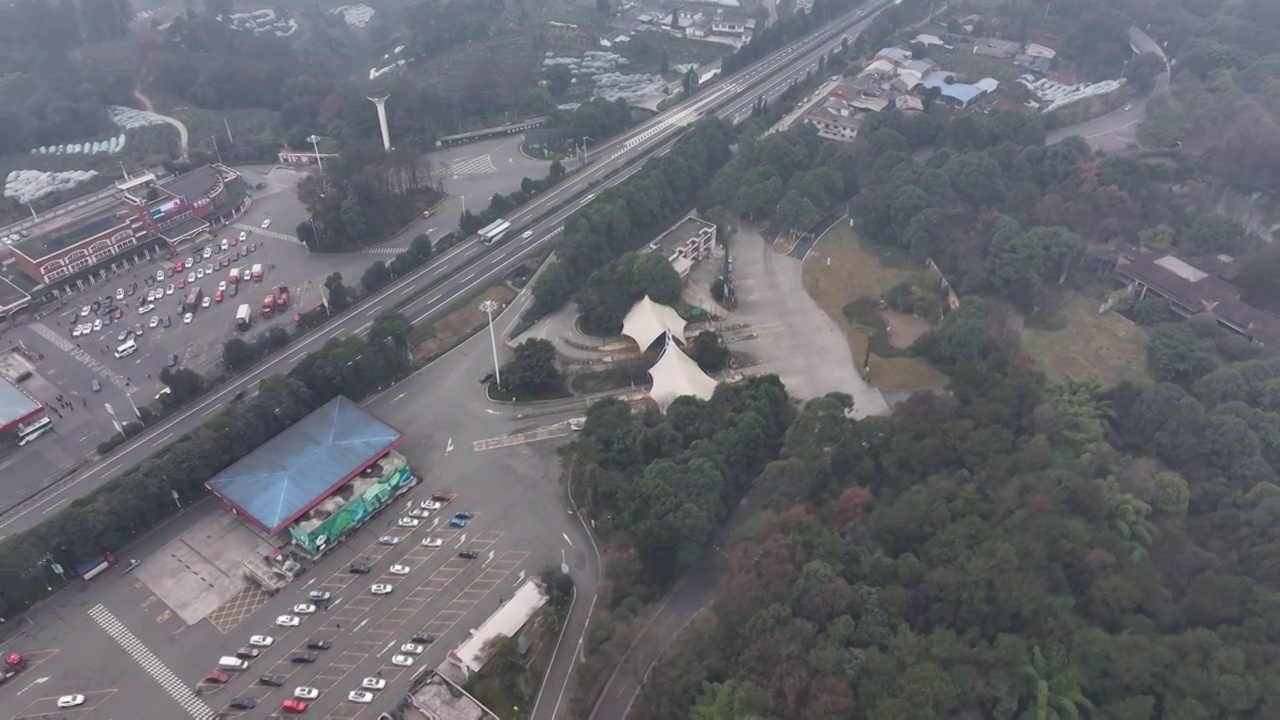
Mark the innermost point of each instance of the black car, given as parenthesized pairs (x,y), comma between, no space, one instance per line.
(469,554)
(464,515)
(488,378)
(244,703)
(360,568)
(424,639)
(318,644)
(305,658)
(274,680)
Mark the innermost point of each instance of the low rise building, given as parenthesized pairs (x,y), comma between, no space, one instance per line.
(995,47)
(733,25)
(690,241)
(1036,50)
(895,55)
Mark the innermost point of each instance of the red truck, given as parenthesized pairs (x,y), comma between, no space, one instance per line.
(282,297)
(268,305)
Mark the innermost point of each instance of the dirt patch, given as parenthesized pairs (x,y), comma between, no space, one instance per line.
(1107,344)
(438,337)
(841,270)
(904,329)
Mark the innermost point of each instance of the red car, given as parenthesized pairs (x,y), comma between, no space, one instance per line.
(217,297)
(219,678)
(178,266)
(293,705)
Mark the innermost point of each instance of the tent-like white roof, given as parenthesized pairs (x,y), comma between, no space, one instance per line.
(675,375)
(647,321)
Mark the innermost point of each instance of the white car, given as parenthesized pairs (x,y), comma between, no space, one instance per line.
(151,295)
(155,322)
(304,692)
(266,223)
(304,608)
(97,325)
(526,234)
(191,276)
(199,275)
(186,319)
(360,696)
(381,589)
(430,505)
(399,569)
(388,540)
(225,244)
(222,285)
(208,253)
(373,683)
(412,649)
(288,621)
(432,542)
(168,289)
(402,660)
(84,312)
(75,331)
(261,641)
(243,236)
(191,262)
(408,522)
(119,293)
(206,302)
(143,310)
(70,701)
(419,513)
(159,276)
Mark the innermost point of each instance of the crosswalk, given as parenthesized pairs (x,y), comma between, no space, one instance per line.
(473,166)
(87,359)
(268,233)
(196,707)
(383,251)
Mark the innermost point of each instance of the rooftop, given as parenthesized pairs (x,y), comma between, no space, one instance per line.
(284,478)
(439,698)
(68,234)
(15,405)
(684,231)
(194,184)
(11,295)
(184,228)
(506,621)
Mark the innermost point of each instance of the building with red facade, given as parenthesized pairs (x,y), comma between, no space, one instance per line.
(83,235)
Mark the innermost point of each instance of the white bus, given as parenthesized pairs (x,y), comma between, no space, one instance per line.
(494,231)
(34,429)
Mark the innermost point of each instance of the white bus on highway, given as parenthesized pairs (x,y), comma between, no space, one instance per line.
(34,429)
(494,231)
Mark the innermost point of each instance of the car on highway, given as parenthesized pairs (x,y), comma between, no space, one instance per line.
(262,641)
(412,649)
(293,705)
(402,660)
(318,644)
(360,696)
(430,505)
(457,522)
(304,608)
(399,569)
(381,589)
(408,522)
(464,515)
(389,540)
(266,223)
(319,596)
(274,680)
(70,701)
(419,513)
(155,321)
(304,658)
(432,542)
(288,621)
(468,554)
(244,703)
(186,319)
(306,692)
(373,683)
(360,568)
(526,234)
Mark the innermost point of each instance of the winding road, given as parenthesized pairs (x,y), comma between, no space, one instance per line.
(150,107)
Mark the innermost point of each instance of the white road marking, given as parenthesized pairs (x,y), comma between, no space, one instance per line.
(177,689)
(566,539)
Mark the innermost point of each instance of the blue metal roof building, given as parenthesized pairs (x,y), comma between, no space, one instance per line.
(962,93)
(291,473)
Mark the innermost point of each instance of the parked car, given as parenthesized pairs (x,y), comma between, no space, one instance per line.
(288,621)
(261,641)
(318,644)
(468,554)
(432,542)
(419,513)
(412,649)
(305,658)
(218,678)
(389,540)
(248,653)
(373,683)
(360,568)
(293,705)
(464,515)
(360,696)
(306,692)
(402,660)
(457,522)
(244,703)
(319,596)
(423,639)
(274,680)
(430,505)
(70,701)
(408,522)
(399,569)
(304,608)
(381,589)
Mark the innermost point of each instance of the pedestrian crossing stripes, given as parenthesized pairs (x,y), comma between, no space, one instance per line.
(473,166)
(268,233)
(384,251)
(85,358)
(196,707)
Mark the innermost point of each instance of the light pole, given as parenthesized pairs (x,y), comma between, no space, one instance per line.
(315,145)
(489,307)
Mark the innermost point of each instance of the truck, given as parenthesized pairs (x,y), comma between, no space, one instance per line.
(244,317)
(282,297)
(233,276)
(268,306)
(192,303)
(256,271)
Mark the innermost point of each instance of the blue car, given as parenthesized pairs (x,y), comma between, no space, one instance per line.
(97,386)
(458,523)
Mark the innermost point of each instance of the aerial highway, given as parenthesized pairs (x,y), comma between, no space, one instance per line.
(471,266)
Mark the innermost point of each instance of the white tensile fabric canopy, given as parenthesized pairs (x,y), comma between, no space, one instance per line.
(675,375)
(647,321)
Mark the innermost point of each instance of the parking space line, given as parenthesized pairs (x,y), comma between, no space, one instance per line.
(92,700)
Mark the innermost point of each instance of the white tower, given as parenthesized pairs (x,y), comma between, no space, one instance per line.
(381,102)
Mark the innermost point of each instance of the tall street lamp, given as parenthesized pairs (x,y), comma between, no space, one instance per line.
(315,145)
(489,307)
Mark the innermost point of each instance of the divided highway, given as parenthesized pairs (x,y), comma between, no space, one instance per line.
(471,266)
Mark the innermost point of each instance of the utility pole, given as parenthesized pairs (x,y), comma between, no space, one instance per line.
(315,145)
(488,307)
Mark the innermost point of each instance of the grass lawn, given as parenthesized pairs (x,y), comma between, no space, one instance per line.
(247,125)
(439,336)
(1108,344)
(842,269)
